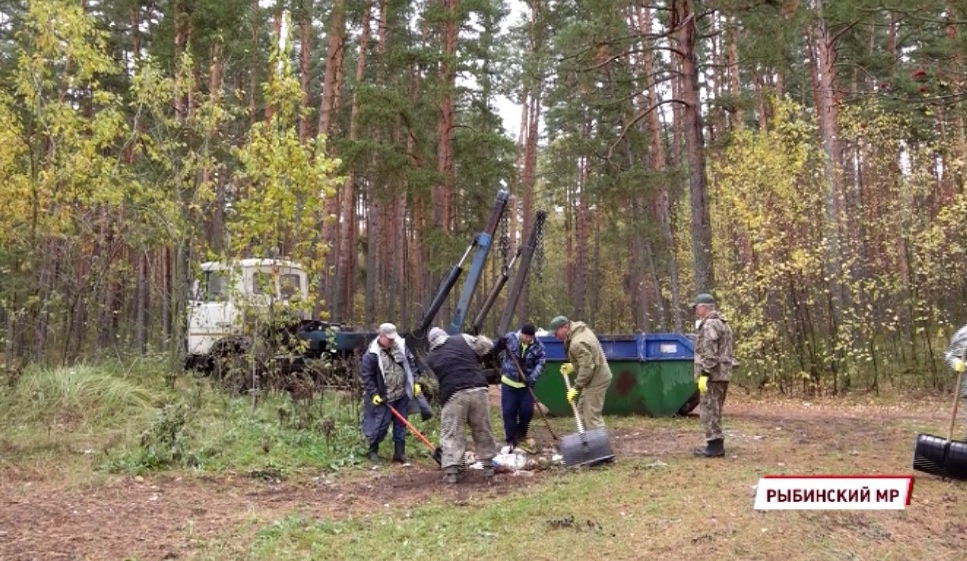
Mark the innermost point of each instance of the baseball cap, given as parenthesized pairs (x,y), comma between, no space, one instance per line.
(557,322)
(703,298)
(389,330)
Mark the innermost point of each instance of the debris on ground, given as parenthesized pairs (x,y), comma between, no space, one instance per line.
(516,460)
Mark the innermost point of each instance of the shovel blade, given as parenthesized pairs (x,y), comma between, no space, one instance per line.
(591,448)
(937,456)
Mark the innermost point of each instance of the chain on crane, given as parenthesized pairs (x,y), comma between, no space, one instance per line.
(504,245)
(539,250)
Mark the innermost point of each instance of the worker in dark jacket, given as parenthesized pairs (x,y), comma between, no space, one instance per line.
(388,374)
(520,365)
(463,394)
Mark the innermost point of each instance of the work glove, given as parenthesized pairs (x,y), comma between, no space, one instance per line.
(567,368)
(416,390)
(571,394)
(703,384)
(959,365)
(377,400)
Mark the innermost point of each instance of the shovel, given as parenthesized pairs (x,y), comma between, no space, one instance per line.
(584,448)
(436,450)
(943,458)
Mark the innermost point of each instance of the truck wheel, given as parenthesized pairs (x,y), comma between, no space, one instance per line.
(233,372)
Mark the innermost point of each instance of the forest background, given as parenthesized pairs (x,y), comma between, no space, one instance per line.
(802,160)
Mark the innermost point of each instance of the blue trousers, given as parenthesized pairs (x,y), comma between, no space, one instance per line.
(517,409)
(376,420)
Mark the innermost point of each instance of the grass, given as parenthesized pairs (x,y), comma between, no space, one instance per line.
(679,508)
(96,422)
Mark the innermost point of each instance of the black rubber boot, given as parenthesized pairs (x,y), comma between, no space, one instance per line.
(374,452)
(398,452)
(713,449)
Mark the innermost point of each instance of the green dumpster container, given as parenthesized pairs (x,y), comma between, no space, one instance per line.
(652,375)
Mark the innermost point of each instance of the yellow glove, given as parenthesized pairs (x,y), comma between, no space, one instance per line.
(567,368)
(377,399)
(703,384)
(571,394)
(959,365)
(416,390)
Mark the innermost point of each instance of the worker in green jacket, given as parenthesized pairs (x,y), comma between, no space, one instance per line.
(592,373)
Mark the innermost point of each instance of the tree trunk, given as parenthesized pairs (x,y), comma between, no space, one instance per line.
(701,231)
(581,235)
(737,117)
(656,151)
(528,183)
(444,193)
(273,68)
(254,68)
(167,319)
(215,233)
(957,76)
(594,279)
(824,67)
(401,288)
(141,304)
(372,234)
(569,236)
(347,249)
(330,85)
(305,70)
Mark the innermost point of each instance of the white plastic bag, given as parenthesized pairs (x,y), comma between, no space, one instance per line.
(510,461)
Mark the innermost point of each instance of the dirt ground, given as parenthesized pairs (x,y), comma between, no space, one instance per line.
(160,517)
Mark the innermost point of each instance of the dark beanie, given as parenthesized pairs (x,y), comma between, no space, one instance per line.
(528,329)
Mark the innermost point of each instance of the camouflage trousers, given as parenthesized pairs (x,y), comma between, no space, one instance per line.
(711,413)
(467,407)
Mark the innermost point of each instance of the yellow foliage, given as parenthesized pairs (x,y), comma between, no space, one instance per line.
(287,183)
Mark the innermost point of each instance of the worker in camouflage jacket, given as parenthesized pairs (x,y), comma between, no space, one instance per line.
(388,374)
(521,364)
(592,372)
(713,369)
(956,359)
(455,360)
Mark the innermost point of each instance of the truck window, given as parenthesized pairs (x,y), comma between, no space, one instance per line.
(214,287)
(262,283)
(290,285)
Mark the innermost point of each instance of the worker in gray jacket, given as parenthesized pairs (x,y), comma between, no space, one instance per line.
(389,377)
(463,394)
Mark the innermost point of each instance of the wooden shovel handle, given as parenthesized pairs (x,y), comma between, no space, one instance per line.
(953,414)
(413,430)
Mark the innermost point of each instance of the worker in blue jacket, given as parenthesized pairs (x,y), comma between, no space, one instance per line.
(520,353)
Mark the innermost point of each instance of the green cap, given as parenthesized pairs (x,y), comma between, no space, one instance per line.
(556,323)
(703,298)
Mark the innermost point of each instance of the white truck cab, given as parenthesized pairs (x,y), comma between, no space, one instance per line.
(223,291)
